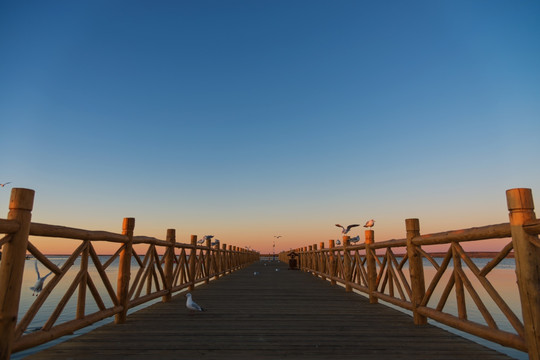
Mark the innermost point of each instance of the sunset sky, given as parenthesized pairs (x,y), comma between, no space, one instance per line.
(249,119)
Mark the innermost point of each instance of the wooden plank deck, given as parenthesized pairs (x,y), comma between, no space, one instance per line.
(274,315)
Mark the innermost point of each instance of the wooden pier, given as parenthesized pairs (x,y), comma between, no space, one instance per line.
(273,315)
(267,311)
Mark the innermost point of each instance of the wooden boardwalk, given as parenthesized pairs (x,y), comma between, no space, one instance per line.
(274,315)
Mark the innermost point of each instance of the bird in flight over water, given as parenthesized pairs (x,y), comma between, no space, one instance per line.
(346,229)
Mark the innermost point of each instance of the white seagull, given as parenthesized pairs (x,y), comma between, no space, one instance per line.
(370,223)
(192,305)
(4,184)
(38,286)
(347,229)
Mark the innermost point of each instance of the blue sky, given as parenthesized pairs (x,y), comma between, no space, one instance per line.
(248,119)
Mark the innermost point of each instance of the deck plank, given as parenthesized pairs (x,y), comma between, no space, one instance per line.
(274,315)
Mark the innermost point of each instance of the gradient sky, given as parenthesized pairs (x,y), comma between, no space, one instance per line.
(249,119)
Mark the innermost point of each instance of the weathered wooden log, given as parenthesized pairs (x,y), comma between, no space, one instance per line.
(57,231)
(347,263)
(476,233)
(9,226)
(124,270)
(169,264)
(371,266)
(527,257)
(12,267)
(193,262)
(416,269)
(81,300)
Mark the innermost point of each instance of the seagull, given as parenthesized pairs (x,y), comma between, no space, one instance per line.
(338,242)
(204,238)
(277,237)
(192,305)
(370,223)
(38,286)
(215,242)
(355,239)
(255,273)
(4,184)
(346,230)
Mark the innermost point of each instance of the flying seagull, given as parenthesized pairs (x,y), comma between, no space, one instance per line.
(192,305)
(4,184)
(277,237)
(370,223)
(347,229)
(38,286)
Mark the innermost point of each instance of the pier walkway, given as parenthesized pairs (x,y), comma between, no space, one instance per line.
(273,315)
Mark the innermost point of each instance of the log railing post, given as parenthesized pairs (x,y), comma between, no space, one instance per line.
(81,300)
(218,261)
(371,266)
(124,270)
(315,260)
(12,267)
(322,261)
(169,264)
(527,257)
(310,259)
(208,260)
(416,270)
(193,262)
(347,269)
(332,261)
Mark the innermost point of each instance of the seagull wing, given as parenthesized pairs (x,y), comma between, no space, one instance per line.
(37,271)
(351,226)
(341,226)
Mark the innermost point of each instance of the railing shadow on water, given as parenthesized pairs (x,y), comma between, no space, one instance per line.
(453,290)
(140,279)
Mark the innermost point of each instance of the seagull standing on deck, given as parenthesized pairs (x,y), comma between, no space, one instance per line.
(38,286)
(370,223)
(192,305)
(346,229)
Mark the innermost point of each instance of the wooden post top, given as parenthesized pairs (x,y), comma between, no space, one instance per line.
(412,225)
(321,245)
(171,235)
(128,225)
(193,239)
(346,239)
(331,243)
(21,199)
(519,199)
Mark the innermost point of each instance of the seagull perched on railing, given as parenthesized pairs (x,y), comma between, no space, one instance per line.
(338,242)
(192,305)
(4,184)
(355,239)
(215,242)
(204,238)
(347,229)
(370,223)
(38,286)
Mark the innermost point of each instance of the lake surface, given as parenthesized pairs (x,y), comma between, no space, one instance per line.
(503,278)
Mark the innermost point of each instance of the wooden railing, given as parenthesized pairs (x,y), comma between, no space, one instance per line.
(181,266)
(379,270)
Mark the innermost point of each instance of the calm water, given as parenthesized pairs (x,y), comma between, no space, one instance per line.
(503,279)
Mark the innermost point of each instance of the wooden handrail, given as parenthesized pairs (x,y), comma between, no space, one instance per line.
(381,276)
(157,276)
